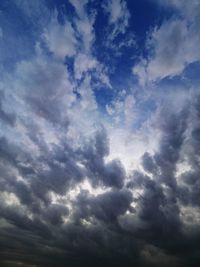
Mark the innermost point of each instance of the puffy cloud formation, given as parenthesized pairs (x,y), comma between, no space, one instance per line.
(173,44)
(99,167)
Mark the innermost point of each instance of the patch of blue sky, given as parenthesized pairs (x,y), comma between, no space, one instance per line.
(191,74)
(20,32)
(186,80)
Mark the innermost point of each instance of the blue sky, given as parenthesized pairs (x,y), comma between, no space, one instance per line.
(99,133)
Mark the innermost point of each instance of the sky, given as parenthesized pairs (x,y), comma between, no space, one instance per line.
(99,133)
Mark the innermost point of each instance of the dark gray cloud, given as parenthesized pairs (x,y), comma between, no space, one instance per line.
(91,228)
(105,207)
(93,156)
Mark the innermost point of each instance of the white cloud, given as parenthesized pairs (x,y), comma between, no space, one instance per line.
(129,145)
(79,7)
(84,24)
(88,101)
(129,107)
(60,39)
(9,199)
(122,109)
(86,30)
(188,8)
(116,9)
(118,13)
(84,63)
(118,24)
(140,69)
(190,217)
(172,47)
(118,16)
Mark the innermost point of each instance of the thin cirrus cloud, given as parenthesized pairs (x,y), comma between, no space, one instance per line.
(99,166)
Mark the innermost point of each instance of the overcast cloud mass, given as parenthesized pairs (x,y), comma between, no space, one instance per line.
(99,133)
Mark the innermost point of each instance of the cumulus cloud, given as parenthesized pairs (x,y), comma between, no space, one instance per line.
(60,39)
(173,47)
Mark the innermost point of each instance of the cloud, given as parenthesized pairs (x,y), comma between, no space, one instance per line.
(60,39)
(79,7)
(118,25)
(88,64)
(105,207)
(84,24)
(7,118)
(172,47)
(35,16)
(118,16)
(84,64)
(104,177)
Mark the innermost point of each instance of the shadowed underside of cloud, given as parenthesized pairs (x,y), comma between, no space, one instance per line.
(92,173)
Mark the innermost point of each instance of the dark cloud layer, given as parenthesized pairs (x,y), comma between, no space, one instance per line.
(64,200)
(94,233)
